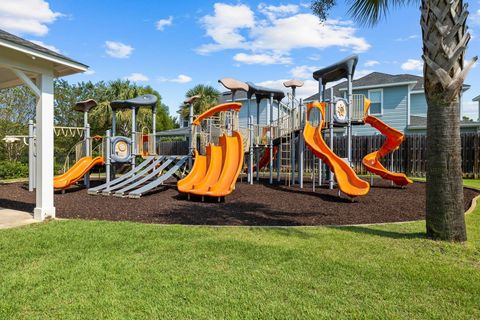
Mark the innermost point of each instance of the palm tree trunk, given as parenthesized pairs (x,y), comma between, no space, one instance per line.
(445,40)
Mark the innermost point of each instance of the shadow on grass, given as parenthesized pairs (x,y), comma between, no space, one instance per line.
(381,233)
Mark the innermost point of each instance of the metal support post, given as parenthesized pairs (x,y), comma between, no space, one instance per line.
(31,156)
(154,120)
(257,151)
(301,145)
(88,153)
(108,164)
(349,120)
(134,142)
(391,165)
(191,137)
(250,138)
(114,123)
(271,139)
(330,125)
(250,153)
(280,147)
(292,137)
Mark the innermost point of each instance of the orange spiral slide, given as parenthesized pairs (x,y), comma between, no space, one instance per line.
(216,173)
(393,141)
(75,173)
(348,181)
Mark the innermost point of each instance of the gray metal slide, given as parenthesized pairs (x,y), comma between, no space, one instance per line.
(136,177)
(160,180)
(152,174)
(124,177)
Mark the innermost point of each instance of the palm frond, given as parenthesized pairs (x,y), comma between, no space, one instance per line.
(370,12)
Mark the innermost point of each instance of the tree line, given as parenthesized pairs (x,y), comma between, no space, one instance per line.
(17,107)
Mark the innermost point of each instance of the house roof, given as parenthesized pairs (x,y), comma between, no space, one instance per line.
(372,80)
(379,79)
(477,98)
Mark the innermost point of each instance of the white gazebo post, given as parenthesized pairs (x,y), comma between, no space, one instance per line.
(44,111)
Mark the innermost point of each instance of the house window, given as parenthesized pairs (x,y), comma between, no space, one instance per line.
(185,123)
(376,98)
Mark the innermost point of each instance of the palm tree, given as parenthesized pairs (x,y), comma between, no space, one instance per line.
(208,98)
(445,38)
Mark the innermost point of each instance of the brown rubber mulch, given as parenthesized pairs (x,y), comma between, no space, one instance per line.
(256,205)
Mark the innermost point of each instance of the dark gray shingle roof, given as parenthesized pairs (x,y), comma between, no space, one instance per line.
(5,36)
(373,79)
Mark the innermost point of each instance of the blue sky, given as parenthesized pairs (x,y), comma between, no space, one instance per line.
(173,46)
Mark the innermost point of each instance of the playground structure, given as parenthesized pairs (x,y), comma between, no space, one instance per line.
(216,173)
(279,142)
(219,143)
(119,150)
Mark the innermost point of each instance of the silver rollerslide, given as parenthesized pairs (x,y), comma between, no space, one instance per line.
(160,180)
(132,173)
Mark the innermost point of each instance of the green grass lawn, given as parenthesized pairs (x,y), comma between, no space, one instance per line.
(107,270)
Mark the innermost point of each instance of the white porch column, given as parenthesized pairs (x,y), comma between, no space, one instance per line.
(44,116)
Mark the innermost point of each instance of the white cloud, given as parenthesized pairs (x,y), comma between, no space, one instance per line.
(162,23)
(303,72)
(304,31)
(47,46)
(273,12)
(262,58)
(181,78)
(371,63)
(26,16)
(223,27)
(136,77)
(89,72)
(118,50)
(412,65)
(286,29)
(411,37)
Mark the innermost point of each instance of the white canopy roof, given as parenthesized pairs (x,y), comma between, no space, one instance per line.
(32,59)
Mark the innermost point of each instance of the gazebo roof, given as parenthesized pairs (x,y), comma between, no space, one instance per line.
(19,53)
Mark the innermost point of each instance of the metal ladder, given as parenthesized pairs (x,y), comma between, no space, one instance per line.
(285,156)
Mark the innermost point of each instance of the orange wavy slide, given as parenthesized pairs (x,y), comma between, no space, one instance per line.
(348,181)
(216,173)
(393,141)
(76,172)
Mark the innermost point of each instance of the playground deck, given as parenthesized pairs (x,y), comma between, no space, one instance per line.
(255,205)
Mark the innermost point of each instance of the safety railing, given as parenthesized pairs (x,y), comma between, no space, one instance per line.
(357,107)
(146,144)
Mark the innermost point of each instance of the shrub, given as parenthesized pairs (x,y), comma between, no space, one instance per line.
(13,170)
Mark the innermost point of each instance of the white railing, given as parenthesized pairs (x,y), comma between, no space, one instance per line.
(357,107)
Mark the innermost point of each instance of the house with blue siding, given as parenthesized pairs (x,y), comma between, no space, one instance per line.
(263,110)
(398,100)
